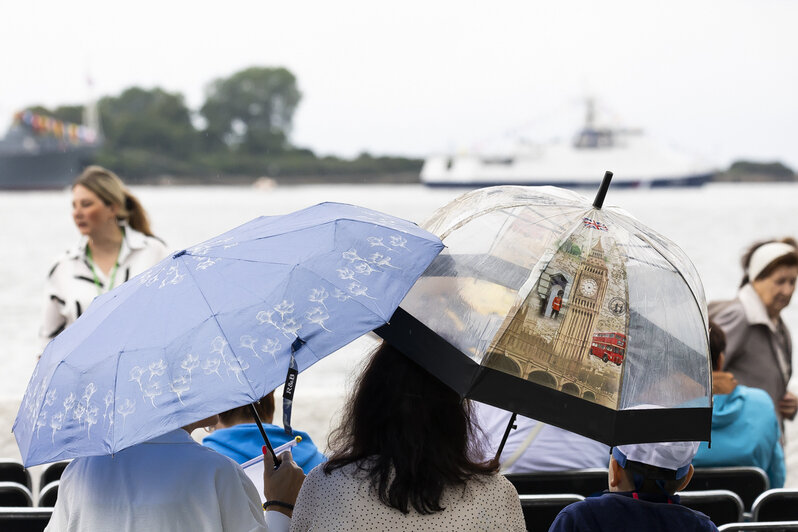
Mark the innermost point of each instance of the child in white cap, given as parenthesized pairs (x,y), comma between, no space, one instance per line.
(643,480)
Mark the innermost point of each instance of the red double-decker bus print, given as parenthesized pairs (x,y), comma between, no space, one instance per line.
(609,347)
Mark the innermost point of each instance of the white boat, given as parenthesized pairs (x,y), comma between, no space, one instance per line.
(634,159)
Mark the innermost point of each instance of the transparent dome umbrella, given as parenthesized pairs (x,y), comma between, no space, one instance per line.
(212,327)
(564,311)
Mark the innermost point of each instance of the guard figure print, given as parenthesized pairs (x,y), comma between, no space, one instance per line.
(580,348)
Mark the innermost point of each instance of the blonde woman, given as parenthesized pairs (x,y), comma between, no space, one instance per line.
(116,244)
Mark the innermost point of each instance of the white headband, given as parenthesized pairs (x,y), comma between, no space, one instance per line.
(764,255)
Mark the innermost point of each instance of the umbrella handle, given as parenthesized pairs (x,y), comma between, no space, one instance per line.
(510,426)
(255,415)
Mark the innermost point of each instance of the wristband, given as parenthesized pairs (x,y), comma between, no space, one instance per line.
(277,503)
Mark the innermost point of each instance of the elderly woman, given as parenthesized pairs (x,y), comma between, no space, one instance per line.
(758,345)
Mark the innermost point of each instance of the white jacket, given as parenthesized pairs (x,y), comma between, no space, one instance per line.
(532,447)
(170,483)
(70,286)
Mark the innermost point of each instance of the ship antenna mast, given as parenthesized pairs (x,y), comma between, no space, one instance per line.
(590,113)
(91,113)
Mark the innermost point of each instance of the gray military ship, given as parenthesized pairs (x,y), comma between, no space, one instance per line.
(40,152)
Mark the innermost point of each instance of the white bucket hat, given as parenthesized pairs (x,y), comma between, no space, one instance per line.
(674,456)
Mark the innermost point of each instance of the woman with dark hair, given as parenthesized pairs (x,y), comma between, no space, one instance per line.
(401,458)
(758,344)
(116,244)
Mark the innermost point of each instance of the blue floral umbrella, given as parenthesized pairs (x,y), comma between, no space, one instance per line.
(211,327)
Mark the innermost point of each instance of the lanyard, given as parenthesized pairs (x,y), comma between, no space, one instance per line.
(112,277)
(290,385)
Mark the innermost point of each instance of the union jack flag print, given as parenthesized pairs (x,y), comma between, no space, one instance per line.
(594,224)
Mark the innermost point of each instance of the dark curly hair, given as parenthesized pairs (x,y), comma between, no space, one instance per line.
(408,431)
(717,344)
(264,407)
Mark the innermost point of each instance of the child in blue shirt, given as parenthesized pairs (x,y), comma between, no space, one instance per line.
(238,437)
(643,480)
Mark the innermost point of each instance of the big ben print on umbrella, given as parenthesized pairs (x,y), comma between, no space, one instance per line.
(568,312)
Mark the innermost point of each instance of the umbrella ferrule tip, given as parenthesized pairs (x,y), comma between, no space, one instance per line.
(179,254)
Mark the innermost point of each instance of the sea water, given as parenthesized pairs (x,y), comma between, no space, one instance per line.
(712,224)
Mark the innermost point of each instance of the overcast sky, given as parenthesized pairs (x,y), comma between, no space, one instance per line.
(716,78)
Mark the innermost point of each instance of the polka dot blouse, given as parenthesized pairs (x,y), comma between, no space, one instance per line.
(344,500)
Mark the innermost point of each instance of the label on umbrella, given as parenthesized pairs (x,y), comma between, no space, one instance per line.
(290,386)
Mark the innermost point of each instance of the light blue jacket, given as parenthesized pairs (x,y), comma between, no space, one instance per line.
(243,442)
(745,432)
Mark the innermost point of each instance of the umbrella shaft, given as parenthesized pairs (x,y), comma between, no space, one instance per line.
(510,426)
(255,415)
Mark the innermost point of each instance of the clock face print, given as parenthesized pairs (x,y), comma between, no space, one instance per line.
(588,287)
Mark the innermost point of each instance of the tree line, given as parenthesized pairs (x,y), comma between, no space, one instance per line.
(241,132)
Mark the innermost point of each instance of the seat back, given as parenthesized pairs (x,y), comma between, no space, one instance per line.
(541,510)
(48,494)
(52,472)
(770,526)
(24,519)
(747,482)
(13,471)
(776,505)
(14,494)
(580,481)
(722,506)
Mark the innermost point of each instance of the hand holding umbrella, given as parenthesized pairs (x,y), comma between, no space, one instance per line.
(281,482)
